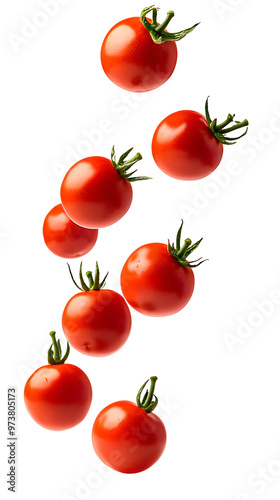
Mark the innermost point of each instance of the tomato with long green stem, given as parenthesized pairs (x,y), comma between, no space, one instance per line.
(157,279)
(96,192)
(187,145)
(138,54)
(96,321)
(129,437)
(58,395)
(64,238)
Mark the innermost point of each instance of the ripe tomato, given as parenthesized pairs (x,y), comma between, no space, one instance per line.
(58,396)
(97,192)
(65,238)
(128,437)
(137,54)
(157,279)
(188,146)
(96,322)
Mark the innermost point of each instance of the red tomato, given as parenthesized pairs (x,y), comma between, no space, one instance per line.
(65,238)
(127,437)
(188,146)
(58,396)
(97,192)
(157,280)
(96,322)
(183,146)
(137,53)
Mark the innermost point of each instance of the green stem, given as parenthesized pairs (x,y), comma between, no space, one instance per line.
(122,165)
(159,29)
(184,248)
(238,125)
(149,401)
(220,131)
(223,124)
(154,16)
(90,279)
(181,253)
(55,353)
(94,284)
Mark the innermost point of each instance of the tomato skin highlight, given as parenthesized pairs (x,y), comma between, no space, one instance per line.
(58,397)
(96,323)
(127,438)
(184,148)
(154,283)
(93,193)
(64,238)
(133,61)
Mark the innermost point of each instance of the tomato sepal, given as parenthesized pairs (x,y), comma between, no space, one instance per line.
(149,400)
(157,31)
(181,253)
(220,130)
(122,165)
(55,351)
(94,283)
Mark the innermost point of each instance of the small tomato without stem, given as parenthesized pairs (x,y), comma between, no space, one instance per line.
(96,192)
(65,238)
(188,146)
(157,279)
(128,437)
(138,54)
(58,396)
(97,321)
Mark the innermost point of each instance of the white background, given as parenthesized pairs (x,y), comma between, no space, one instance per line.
(219,393)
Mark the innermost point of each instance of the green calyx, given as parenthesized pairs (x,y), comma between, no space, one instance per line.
(149,400)
(157,31)
(55,352)
(93,284)
(122,165)
(181,254)
(220,130)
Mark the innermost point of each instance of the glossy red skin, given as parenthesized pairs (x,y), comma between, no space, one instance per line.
(154,283)
(58,397)
(96,323)
(127,438)
(65,238)
(183,146)
(133,61)
(94,194)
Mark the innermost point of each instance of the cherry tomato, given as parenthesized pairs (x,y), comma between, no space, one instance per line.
(65,238)
(58,396)
(127,437)
(97,321)
(188,146)
(157,279)
(97,192)
(138,55)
